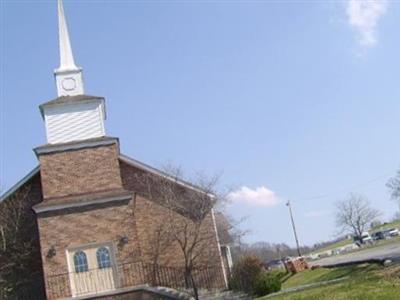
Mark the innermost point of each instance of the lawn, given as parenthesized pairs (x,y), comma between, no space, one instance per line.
(395,224)
(334,246)
(388,241)
(366,282)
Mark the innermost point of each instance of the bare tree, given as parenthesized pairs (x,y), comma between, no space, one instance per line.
(354,214)
(394,186)
(19,244)
(188,218)
(160,240)
(228,228)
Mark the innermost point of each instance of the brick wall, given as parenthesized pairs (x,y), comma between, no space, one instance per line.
(151,215)
(77,227)
(96,169)
(80,171)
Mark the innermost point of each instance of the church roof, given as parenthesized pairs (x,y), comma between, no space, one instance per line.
(20,183)
(152,170)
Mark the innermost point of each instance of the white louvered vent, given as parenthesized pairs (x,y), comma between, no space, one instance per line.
(74,122)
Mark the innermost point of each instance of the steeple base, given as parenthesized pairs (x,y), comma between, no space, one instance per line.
(69,82)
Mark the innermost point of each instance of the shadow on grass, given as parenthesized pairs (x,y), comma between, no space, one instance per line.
(286,277)
(351,271)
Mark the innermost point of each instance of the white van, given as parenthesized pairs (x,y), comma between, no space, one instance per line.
(366,238)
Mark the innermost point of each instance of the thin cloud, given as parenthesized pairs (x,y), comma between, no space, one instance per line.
(260,196)
(363,16)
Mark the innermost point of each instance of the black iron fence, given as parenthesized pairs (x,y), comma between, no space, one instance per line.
(129,275)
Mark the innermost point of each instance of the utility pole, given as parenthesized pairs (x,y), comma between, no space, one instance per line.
(294,227)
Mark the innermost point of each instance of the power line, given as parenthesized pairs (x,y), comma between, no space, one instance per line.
(351,188)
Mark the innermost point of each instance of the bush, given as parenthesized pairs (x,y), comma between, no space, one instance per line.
(278,273)
(233,284)
(267,283)
(245,272)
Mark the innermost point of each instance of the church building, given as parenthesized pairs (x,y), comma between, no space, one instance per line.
(93,219)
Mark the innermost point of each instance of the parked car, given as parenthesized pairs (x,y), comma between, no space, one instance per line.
(379,235)
(394,232)
(275,264)
(364,239)
(387,233)
(287,258)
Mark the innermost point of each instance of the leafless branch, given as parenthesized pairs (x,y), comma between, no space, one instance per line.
(355,214)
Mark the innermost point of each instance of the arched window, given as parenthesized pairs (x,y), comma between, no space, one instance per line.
(80,262)
(103,258)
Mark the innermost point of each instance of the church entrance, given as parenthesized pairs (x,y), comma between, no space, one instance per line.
(92,269)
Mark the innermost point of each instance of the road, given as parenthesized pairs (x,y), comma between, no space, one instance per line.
(381,252)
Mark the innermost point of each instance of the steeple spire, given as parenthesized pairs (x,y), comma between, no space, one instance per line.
(67,61)
(68,75)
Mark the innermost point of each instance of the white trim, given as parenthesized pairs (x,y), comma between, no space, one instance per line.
(84,99)
(70,267)
(228,256)
(80,204)
(219,248)
(145,167)
(74,146)
(20,183)
(89,99)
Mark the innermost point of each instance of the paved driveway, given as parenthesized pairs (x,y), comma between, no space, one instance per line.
(380,252)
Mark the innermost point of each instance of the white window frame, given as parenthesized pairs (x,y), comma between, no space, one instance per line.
(83,247)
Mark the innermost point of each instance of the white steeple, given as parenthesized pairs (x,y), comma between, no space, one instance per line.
(68,75)
(72,116)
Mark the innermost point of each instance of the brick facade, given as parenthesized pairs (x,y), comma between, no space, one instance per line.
(129,225)
(150,216)
(83,226)
(80,171)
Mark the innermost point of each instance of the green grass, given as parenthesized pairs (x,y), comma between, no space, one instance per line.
(334,246)
(378,243)
(388,241)
(395,224)
(323,274)
(366,282)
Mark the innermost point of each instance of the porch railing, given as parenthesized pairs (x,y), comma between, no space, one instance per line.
(129,275)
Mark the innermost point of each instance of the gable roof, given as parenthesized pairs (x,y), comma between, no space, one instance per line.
(20,183)
(150,169)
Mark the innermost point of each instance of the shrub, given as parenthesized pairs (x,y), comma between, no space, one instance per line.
(233,283)
(267,283)
(245,272)
(278,273)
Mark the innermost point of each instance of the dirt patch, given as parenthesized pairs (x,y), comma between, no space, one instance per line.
(391,274)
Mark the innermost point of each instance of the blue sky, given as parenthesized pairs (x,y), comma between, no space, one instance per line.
(287,99)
